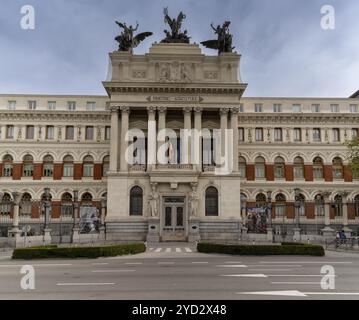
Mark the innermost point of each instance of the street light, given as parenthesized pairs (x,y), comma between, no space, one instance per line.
(47,206)
(297,205)
(269,206)
(76,205)
(103,209)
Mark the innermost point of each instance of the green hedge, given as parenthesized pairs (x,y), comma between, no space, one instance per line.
(262,250)
(292,243)
(78,252)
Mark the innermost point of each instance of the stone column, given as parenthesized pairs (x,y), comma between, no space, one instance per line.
(197,148)
(346,229)
(151,139)
(15,222)
(186,141)
(114,140)
(224,125)
(125,116)
(234,127)
(161,123)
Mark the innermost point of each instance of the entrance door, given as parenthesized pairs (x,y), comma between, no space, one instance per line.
(173,226)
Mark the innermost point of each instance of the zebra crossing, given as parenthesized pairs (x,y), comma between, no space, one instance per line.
(171,250)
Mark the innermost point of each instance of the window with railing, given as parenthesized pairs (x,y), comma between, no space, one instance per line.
(279,168)
(88,166)
(68,166)
(28,166)
(319,205)
(48,166)
(318,168)
(7,165)
(260,167)
(337,168)
(280,205)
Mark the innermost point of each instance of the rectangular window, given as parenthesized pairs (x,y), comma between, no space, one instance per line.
(242,170)
(51,105)
(50,132)
(89,133)
(241,107)
(278,134)
(11,105)
(31,105)
(90,106)
(277,107)
(71,105)
(259,134)
(241,134)
(316,134)
(353,108)
(336,135)
(10,132)
(30,131)
(316,108)
(48,170)
(334,107)
(355,132)
(258,107)
(297,108)
(70,133)
(260,171)
(68,170)
(88,170)
(107,133)
(28,170)
(297,134)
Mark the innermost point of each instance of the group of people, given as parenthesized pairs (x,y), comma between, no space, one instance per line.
(340,237)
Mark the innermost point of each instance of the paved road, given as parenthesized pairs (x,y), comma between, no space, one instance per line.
(176,271)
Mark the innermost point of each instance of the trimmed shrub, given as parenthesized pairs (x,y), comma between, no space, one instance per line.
(292,243)
(78,252)
(262,250)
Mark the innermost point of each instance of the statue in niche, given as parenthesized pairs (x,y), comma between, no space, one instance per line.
(224,39)
(153,200)
(127,41)
(194,203)
(175,35)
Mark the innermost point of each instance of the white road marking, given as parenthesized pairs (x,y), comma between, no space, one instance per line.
(150,249)
(232,266)
(199,262)
(100,264)
(188,250)
(308,262)
(269,269)
(294,282)
(299,275)
(293,293)
(333,293)
(134,263)
(86,284)
(178,250)
(168,250)
(233,262)
(276,265)
(113,270)
(158,249)
(249,275)
(169,262)
(37,265)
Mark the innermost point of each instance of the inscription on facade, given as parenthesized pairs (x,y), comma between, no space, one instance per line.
(174,99)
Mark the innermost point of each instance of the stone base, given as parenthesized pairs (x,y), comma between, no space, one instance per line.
(126,230)
(296,236)
(270,234)
(193,230)
(328,233)
(47,236)
(220,230)
(153,234)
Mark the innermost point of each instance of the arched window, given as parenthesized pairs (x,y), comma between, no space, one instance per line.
(48,166)
(242,167)
(86,199)
(338,205)
(26,205)
(280,205)
(279,172)
(356,203)
(261,200)
(211,201)
(88,166)
(298,168)
(136,201)
(301,199)
(105,165)
(7,165)
(28,166)
(260,167)
(319,205)
(66,205)
(337,168)
(5,205)
(68,168)
(318,168)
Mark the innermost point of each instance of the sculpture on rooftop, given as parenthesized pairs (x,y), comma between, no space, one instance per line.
(175,35)
(224,39)
(127,41)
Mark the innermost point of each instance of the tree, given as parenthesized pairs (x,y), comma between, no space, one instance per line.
(353,156)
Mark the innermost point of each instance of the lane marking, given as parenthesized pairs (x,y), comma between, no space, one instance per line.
(100,263)
(188,249)
(308,262)
(114,270)
(150,249)
(178,250)
(199,262)
(37,265)
(231,266)
(134,263)
(233,262)
(158,249)
(168,250)
(248,275)
(293,293)
(294,282)
(333,293)
(86,284)
(276,265)
(300,275)
(169,262)
(269,269)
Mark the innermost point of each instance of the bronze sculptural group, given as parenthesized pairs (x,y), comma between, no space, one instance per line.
(127,41)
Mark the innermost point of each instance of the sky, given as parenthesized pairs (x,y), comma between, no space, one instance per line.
(285,51)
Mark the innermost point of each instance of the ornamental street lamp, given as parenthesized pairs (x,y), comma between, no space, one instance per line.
(269,207)
(297,203)
(47,206)
(76,208)
(103,210)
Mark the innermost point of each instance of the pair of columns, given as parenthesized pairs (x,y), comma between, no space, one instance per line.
(122,165)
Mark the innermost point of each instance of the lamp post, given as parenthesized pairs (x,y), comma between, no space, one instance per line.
(103,210)
(269,208)
(76,208)
(297,206)
(47,206)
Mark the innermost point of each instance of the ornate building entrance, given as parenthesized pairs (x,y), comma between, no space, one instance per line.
(174,219)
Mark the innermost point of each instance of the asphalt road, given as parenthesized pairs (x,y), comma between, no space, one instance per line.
(177,272)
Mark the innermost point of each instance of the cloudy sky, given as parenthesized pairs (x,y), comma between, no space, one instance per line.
(285,52)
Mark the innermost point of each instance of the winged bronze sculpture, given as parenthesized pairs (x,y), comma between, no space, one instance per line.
(127,41)
(224,39)
(175,35)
